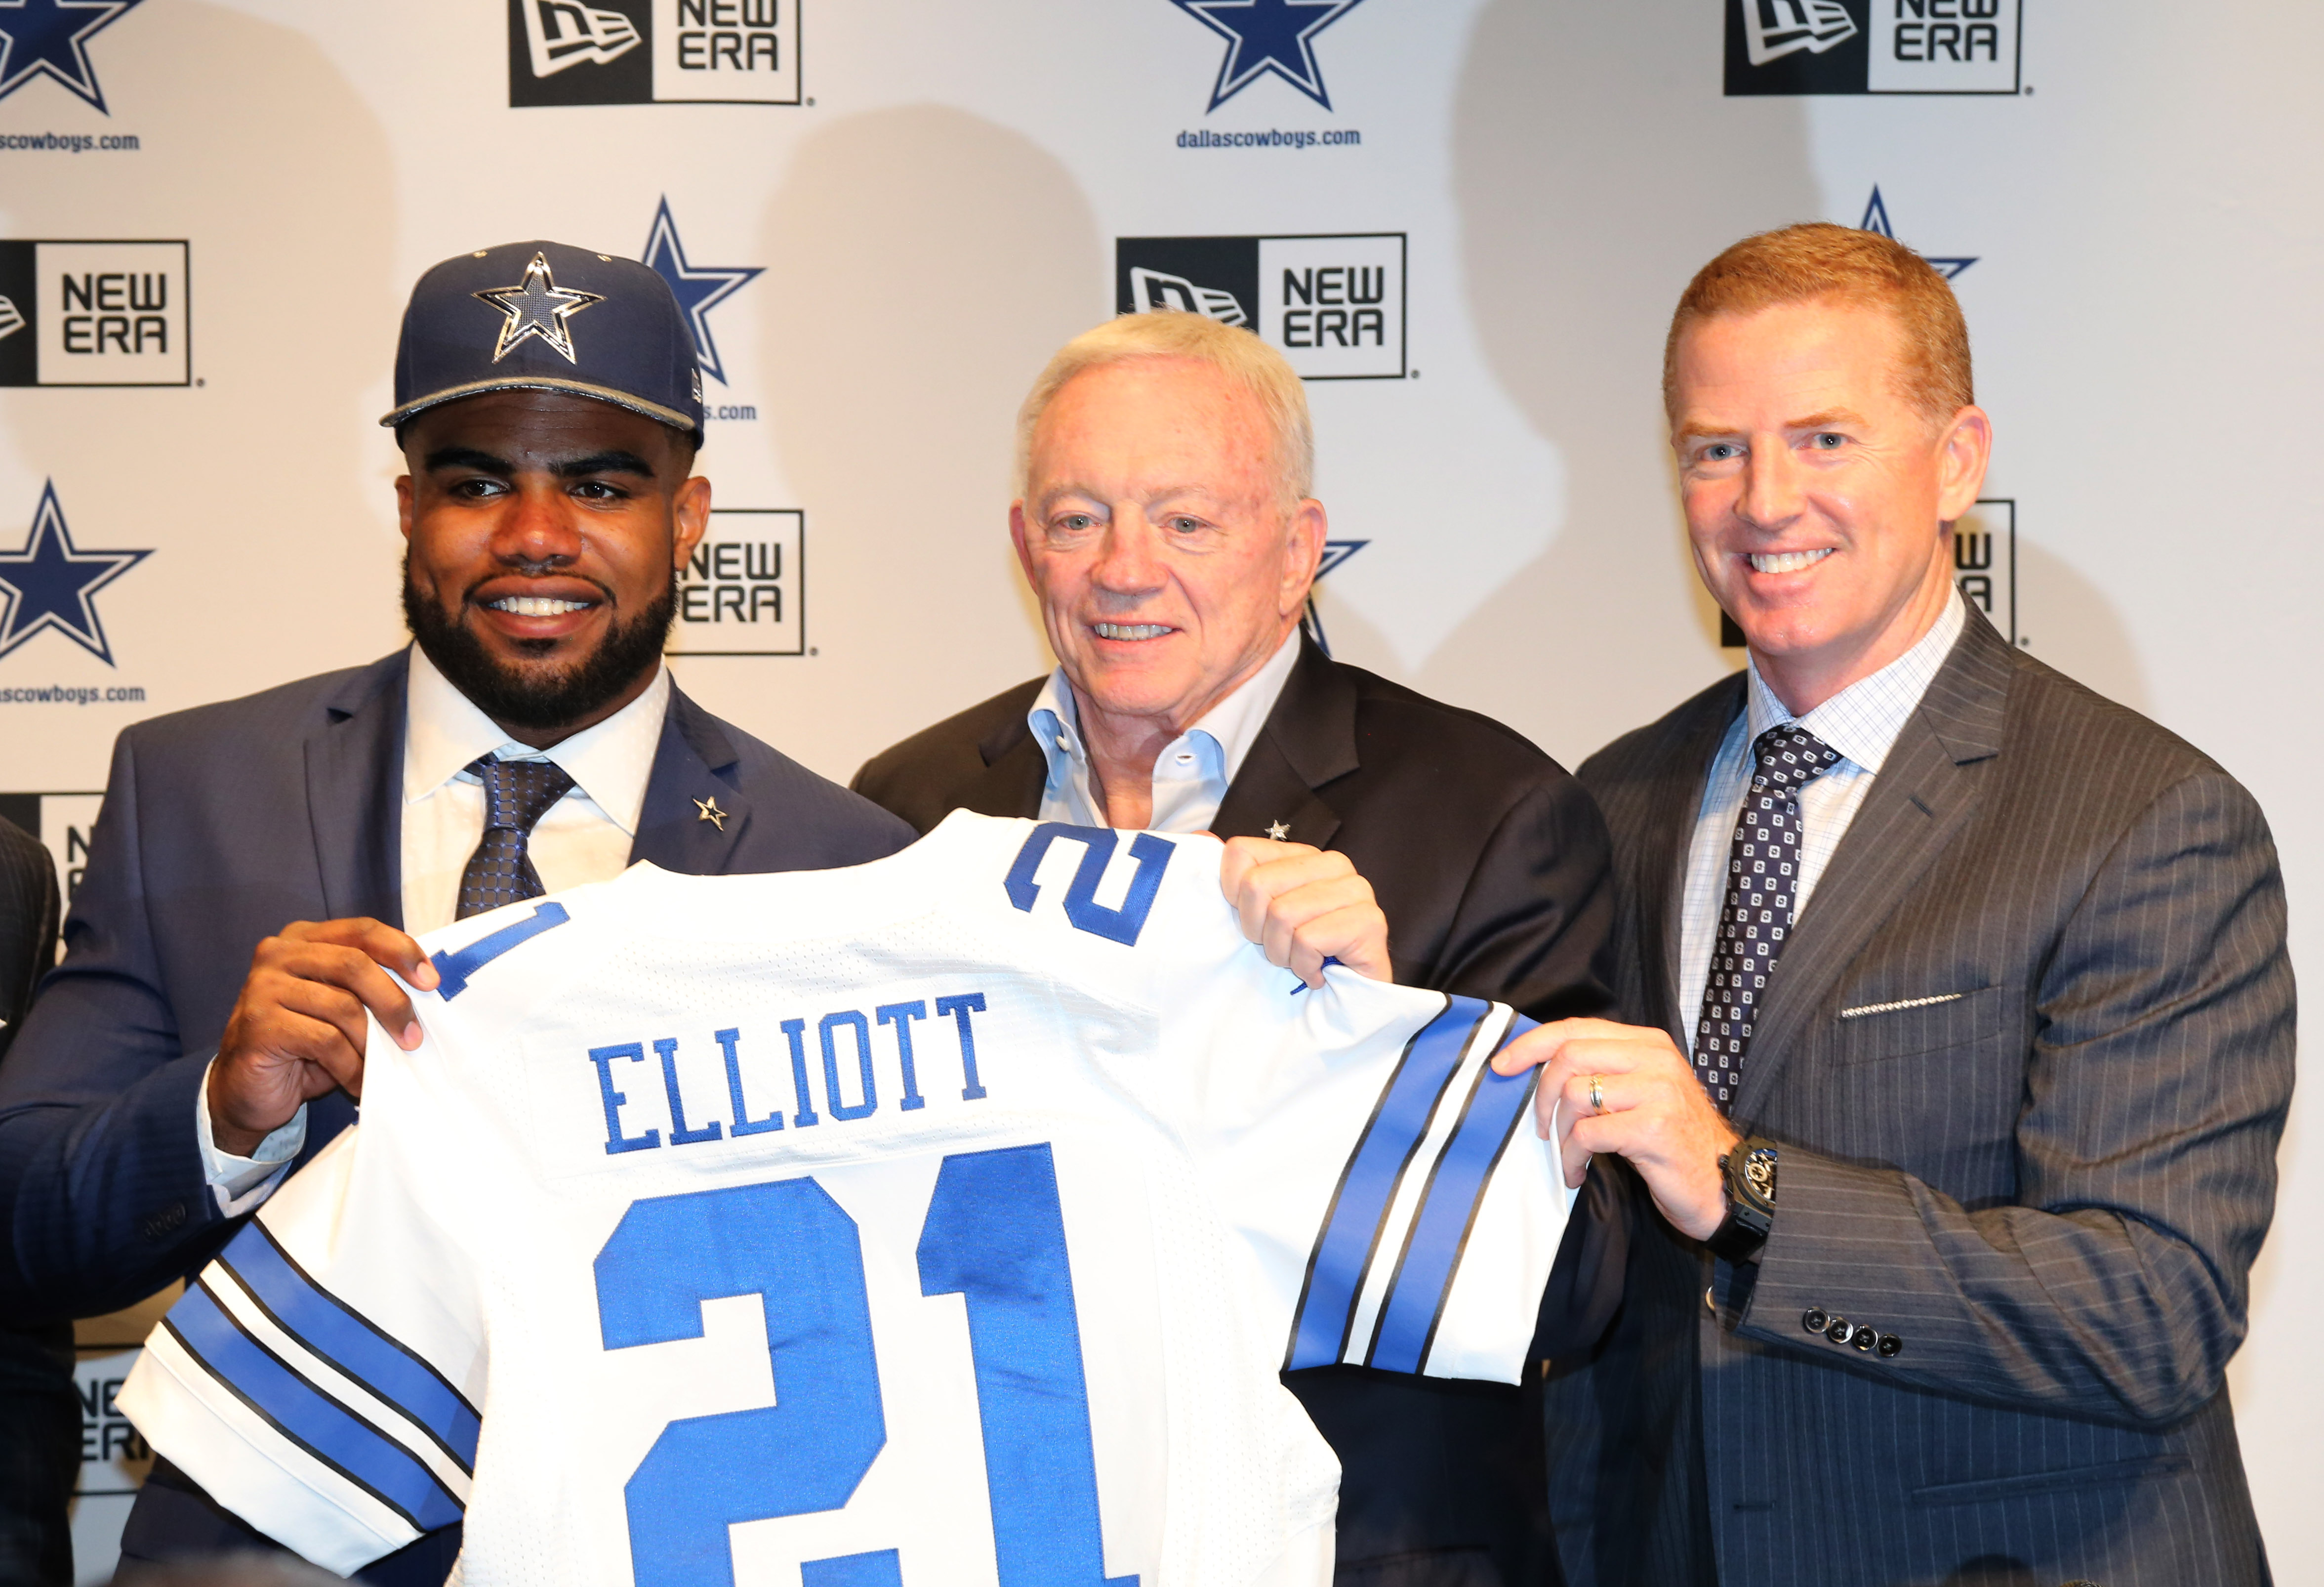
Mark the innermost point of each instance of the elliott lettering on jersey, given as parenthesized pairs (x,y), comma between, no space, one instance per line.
(768,1070)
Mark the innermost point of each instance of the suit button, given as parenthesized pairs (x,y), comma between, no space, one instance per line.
(1813,1319)
(1841,1331)
(1891,1345)
(1864,1337)
(1709,1304)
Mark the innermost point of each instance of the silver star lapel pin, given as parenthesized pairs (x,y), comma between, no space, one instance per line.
(537,306)
(711,812)
(1278,831)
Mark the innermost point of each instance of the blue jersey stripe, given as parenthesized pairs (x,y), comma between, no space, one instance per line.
(457,968)
(1360,1207)
(351,1343)
(1448,1209)
(307,1416)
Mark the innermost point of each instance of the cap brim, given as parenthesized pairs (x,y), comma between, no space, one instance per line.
(546,383)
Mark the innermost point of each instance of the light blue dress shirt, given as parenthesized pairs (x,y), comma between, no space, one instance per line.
(1191,772)
(1862,722)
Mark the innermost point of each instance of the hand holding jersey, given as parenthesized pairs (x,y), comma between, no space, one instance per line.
(1033,1068)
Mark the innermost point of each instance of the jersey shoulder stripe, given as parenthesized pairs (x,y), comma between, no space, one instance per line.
(305,1416)
(343,1338)
(1439,1232)
(455,968)
(1343,1251)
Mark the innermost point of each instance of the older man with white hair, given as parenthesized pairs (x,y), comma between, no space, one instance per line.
(1166,524)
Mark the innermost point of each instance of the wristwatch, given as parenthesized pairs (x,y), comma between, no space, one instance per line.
(1750,1171)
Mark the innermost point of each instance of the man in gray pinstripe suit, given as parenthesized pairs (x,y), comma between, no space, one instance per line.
(1964,1026)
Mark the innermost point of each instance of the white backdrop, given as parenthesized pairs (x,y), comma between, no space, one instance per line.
(942,206)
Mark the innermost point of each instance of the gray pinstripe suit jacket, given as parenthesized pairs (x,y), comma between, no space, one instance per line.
(2049,1179)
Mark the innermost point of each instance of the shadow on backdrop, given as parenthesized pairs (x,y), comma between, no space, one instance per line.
(1596,167)
(924,265)
(293,316)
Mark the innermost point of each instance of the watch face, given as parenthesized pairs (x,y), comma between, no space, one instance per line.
(1759,1169)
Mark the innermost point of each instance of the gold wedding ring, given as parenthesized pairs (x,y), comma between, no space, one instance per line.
(1597,1093)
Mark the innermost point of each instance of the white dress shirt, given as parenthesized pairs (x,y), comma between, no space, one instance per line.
(585,836)
(1191,772)
(1861,722)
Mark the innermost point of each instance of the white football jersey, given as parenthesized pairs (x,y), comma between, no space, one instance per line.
(943,1222)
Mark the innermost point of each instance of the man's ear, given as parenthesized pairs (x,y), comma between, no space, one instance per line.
(403,506)
(690,510)
(1303,553)
(1963,452)
(1017,539)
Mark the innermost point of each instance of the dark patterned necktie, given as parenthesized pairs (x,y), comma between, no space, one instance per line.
(1763,869)
(517,794)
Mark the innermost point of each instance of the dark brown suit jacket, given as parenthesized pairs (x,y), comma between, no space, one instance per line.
(2027,1056)
(1490,863)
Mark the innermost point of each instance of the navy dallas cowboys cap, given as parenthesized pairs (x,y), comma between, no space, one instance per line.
(547,317)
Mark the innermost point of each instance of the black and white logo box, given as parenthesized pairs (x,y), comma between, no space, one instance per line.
(63,821)
(93,314)
(1333,306)
(1873,46)
(1985,568)
(653,52)
(743,592)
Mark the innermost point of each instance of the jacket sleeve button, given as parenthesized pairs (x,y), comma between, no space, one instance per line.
(1891,1345)
(1864,1337)
(1813,1319)
(1841,1331)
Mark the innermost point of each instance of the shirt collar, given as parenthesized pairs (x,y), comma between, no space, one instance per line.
(1863,721)
(610,762)
(1231,727)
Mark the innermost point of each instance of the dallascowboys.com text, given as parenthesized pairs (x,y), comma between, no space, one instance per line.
(1330,137)
(59,695)
(68,142)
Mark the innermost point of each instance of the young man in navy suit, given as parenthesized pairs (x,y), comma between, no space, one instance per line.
(531,739)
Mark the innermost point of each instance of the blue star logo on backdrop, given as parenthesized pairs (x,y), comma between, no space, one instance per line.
(49,584)
(536,307)
(50,38)
(1875,220)
(1335,553)
(698,288)
(1269,36)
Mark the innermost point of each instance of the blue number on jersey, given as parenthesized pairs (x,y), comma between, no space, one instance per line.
(795,1248)
(994,1234)
(1081,908)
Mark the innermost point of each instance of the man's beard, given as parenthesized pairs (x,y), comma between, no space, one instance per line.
(547,698)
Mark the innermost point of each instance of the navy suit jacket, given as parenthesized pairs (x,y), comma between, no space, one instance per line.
(220,825)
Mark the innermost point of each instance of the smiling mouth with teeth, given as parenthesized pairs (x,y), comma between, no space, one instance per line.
(1131,629)
(537,607)
(1787,561)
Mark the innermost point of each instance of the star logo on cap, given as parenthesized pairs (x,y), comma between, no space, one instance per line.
(49,583)
(536,307)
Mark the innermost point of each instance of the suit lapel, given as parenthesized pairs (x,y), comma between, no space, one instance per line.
(695,815)
(1925,791)
(1015,772)
(1665,846)
(354,795)
(1307,742)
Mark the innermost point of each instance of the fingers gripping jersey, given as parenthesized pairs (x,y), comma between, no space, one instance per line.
(943,1220)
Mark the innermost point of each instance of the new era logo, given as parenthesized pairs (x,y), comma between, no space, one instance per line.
(1150,290)
(1773,28)
(562,33)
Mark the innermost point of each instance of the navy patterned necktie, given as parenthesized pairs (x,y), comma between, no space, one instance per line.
(1763,869)
(517,794)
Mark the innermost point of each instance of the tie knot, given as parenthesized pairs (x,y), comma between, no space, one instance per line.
(1789,758)
(518,793)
